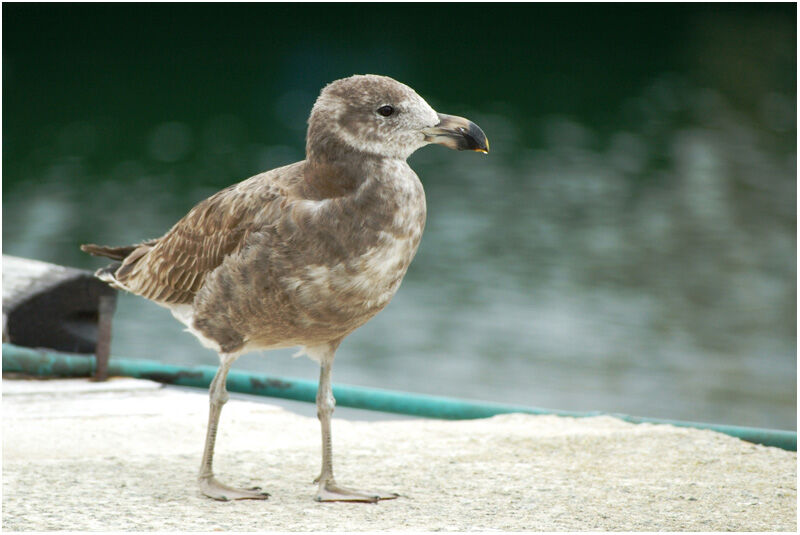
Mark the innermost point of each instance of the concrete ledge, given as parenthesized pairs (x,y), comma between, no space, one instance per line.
(82,456)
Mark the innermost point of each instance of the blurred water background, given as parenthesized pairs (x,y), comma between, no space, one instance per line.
(629,245)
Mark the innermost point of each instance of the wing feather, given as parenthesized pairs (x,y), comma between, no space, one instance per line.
(172,269)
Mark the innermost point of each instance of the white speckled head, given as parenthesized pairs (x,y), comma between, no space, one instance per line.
(371,114)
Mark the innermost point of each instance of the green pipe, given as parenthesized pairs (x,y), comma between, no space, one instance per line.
(48,363)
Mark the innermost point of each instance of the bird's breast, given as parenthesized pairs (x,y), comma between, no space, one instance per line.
(392,220)
(371,239)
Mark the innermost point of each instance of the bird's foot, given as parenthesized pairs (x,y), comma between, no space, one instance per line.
(216,490)
(329,491)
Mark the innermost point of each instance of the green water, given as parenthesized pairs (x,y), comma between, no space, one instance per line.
(629,245)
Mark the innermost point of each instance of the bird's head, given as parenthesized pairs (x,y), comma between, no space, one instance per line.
(380,116)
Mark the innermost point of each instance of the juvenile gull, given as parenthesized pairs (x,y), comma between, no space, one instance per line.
(301,255)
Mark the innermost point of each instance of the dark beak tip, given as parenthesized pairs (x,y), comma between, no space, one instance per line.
(477,139)
(478,143)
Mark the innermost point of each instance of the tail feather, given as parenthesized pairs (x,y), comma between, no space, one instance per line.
(127,257)
(115,253)
(106,274)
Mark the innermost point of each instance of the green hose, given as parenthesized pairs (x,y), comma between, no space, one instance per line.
(48,363)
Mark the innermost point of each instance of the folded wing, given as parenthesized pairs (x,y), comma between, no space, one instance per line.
(170,270)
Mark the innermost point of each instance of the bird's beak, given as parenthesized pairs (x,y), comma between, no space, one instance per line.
(457,133)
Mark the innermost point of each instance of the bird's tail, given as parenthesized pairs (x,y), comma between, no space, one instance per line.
(127,256)
(116,253)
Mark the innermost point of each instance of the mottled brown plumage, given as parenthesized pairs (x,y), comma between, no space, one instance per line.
(304,254)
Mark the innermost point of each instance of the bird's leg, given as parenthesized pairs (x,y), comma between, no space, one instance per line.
(329,490)
(209,485)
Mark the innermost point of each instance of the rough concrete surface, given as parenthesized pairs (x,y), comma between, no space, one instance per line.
(123,456)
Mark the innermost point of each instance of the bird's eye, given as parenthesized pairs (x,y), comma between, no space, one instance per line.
(386,111)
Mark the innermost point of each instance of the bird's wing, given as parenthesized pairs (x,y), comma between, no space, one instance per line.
(173,268)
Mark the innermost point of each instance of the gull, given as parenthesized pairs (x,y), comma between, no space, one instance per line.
(301,255)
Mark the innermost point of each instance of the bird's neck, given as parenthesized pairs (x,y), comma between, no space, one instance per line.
(336,170)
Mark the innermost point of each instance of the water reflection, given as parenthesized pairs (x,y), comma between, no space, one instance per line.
(169,142)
